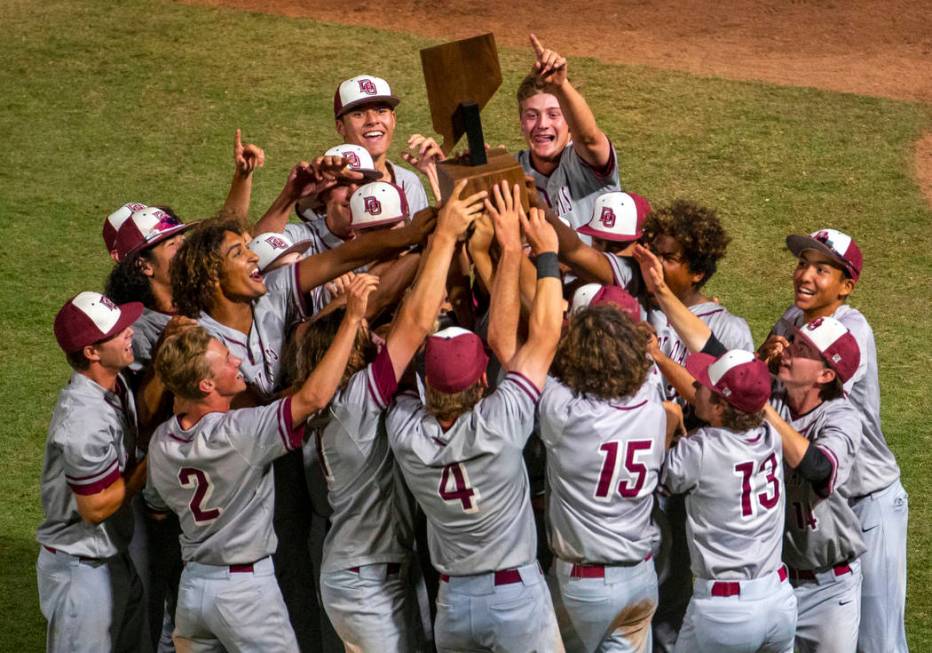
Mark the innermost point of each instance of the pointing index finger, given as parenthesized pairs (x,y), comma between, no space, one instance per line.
(238,140)
(538,48)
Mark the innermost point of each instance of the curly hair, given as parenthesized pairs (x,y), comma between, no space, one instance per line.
(195,269)
(738,420)
(446,406)
(181,362)
(313,346)
(602,354)
(127,283)
(698,231)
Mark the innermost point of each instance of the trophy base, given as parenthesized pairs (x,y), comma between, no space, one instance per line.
(500,166)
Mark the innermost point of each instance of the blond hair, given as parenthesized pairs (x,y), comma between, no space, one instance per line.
(181,362)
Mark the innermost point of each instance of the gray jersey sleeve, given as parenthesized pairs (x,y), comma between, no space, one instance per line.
(260,435)
(683,466)
(413,189)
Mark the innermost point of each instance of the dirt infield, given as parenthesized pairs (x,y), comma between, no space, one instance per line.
(859,46)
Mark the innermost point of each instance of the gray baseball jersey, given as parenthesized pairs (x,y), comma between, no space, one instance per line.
(626,274)
(571,189)
(315,229)
(734,500)
(821,528)
(410,184)
(272,314)
(470,480)
(217,477)
(91,440)
(146,333)
(876,466)
(360,472)
(732,331)
(603,462)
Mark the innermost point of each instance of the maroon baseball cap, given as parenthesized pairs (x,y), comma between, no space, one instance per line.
(359,90)
(617,216)
(90,317)
(741,378)
(619,298)
(115,220)
(835,244)
(454,359)
(835,342)
(146,228)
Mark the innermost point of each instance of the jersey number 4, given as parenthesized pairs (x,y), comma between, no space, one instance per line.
(634,452)
(192,477)
(454,486)
(767,499)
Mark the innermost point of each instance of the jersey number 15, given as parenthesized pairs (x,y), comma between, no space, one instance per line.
(634,453)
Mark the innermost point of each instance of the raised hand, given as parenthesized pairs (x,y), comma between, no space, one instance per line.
(357,295)
(503,210)
(539,232)
(651,269)
(549,66)
(772,351)
(423,153)
(458,213)
(247,157)
(335,168)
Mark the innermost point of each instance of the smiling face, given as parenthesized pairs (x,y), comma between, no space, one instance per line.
(819,285)
(239,274)
(544,128)
(369,125)
(225,375)
(115,353)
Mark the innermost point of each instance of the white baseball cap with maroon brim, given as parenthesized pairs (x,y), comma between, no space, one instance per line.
(359,90)
(89,318)
(115,220)
(359,159)
(617,216)
(146,228)
(271,246)
(377,204)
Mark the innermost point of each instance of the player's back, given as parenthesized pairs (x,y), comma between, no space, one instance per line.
(217,477)
(734,500)
(470,479)
(603,464)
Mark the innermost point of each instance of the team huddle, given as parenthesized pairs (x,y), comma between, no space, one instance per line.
(370,422)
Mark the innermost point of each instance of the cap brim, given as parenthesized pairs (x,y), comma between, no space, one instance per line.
(377,223)
(163,235)
(390,100)
(798,244)
(607,235)
(698,365)
(129,313)
(299,247)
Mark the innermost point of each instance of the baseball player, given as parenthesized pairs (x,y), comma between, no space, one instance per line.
(212,467)
(829,264)
(276,250)
(364,110)
(731,472)
(606,436)
(461,456)
(89,591)
(369,538)
(112,224)
(570,159)
(821,440)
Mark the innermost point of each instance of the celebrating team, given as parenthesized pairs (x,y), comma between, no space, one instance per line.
(350,431)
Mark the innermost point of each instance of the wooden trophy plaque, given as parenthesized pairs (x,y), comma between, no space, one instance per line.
(461,77)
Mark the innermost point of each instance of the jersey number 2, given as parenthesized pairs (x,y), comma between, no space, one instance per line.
(198,479)
(768,501)
(454,486)
(632,465)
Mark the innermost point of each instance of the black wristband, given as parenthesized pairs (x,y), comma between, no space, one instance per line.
(548,265)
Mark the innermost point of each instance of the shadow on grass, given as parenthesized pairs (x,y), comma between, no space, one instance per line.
(23,624)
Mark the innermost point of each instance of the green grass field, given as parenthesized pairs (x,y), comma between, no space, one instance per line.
(106,102)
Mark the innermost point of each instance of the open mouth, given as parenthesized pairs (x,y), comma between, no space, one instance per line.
(543,138)
(373,135)
(255,275)
(805,292)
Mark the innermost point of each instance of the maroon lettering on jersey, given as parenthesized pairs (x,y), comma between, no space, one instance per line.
(607,217)
(352,158)
(276,242)
(367,86)
(373,205)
